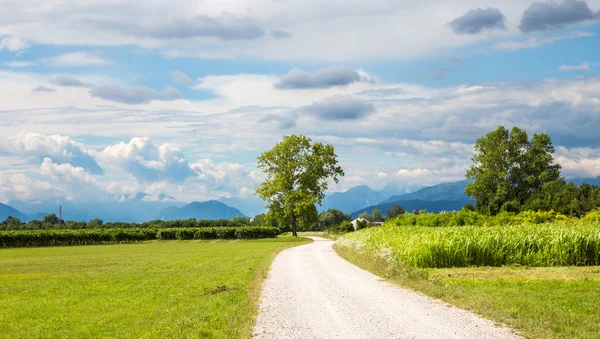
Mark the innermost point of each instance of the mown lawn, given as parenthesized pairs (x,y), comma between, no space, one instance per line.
(159,289)
(541,302)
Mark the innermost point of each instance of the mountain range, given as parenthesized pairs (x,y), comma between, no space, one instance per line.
(142,207)
(360,197)
(211,209)
(451,191)
(7,211)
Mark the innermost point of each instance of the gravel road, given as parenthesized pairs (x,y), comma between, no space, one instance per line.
(313,293)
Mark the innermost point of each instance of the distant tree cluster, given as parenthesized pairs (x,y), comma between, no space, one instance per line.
(512,173)
(52,222)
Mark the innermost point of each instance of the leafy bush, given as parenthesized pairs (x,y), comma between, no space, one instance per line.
(345,227)
(592,216)
(466,217)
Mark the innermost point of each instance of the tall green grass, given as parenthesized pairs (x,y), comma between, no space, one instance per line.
(557,244)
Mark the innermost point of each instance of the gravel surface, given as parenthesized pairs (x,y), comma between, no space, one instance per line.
(313,293)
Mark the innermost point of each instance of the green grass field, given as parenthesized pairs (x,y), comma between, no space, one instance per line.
(540,302)
(159,289)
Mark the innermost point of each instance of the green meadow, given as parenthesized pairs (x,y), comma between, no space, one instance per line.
(157,289)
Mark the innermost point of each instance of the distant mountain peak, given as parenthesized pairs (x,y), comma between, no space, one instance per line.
(211,209)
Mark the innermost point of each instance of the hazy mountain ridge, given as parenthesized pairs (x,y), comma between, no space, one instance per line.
(8,211)
(451,191)
(410,205)
(360,197)
(250,206)
(210,210)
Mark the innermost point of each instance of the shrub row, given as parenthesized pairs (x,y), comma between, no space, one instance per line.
(103,236)
(472,218)
(558,244)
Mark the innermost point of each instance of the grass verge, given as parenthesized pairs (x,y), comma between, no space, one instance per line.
(543,302)
(160,289)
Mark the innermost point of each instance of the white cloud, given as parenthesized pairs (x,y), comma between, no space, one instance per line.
(75,59)
(61,149)
(13,44)
(148,161)
(538,41)
(19,64)
(581,162)
(21,187)
(583,67)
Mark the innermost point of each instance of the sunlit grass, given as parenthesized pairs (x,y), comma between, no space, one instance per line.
(153,290)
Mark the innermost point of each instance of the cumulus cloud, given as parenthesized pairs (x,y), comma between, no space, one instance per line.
(60,149)
(323,78)
(134,94)
(13,44)
(546,16)
(148,161)
(578,162)
(280,34)
(65,171)
(180,78)
(69,81)
(477,20)
(340,107)
(225,178)
(43,89)
(224,27)
(23,188)
(75,59)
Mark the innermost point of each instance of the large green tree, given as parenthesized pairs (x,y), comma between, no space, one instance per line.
(297,173)
(509,168)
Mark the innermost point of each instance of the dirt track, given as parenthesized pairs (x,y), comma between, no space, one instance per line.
(313,293)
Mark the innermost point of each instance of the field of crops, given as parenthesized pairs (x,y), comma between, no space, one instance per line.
(558,244)
(103,236)
(160,289)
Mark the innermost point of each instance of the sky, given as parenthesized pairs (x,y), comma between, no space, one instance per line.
(104,99)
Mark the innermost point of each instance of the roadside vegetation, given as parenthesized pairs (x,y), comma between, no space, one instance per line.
(526,254)
(540,302)
(166,289)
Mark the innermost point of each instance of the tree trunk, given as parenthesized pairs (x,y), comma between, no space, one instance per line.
(294,233)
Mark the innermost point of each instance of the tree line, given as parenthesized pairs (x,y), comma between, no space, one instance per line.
(52,222)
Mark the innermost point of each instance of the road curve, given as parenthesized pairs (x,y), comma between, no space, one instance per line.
(311,292)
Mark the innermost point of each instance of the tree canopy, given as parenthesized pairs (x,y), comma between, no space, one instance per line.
(509,168)
(395,211)
(297,173)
